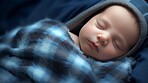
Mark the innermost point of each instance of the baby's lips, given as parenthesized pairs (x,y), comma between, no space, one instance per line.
(95,45)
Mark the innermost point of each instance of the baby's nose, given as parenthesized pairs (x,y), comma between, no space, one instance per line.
(103,39)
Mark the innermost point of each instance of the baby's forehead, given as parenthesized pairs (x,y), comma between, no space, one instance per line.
(119,9)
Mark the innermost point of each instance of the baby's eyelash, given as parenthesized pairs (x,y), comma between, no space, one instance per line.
(98,26)
(116,46)
(101,24)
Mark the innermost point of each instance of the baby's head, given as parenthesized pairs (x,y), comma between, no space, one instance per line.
(117,30)
(109,34)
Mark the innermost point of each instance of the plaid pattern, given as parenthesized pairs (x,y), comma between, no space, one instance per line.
(43,52)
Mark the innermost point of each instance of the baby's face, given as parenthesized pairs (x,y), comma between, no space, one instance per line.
(109,34)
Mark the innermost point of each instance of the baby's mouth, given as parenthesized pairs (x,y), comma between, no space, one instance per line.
(93,45)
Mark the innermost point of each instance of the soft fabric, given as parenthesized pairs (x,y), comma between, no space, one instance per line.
(14,13)
(44,52)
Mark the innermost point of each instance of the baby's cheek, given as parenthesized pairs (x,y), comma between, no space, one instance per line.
(110,53)
(86,50)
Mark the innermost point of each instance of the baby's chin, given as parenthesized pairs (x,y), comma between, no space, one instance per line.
(99,58)
(90,55)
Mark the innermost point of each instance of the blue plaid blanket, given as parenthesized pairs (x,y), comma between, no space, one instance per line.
(43,52)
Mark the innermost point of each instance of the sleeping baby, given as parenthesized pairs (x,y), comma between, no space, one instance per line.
(46,51)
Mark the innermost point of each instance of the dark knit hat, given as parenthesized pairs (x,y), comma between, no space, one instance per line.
(82,18)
